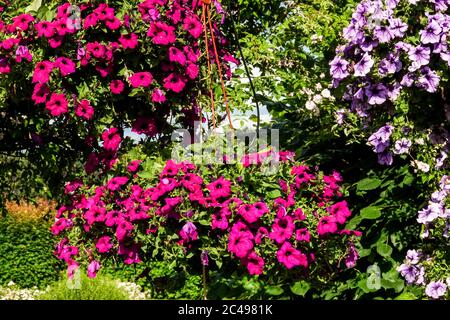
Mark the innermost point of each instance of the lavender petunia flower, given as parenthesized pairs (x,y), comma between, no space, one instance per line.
(339,68)
(431,33)
(385,158)
(376,94)
(419,56)
(398,27)
(367,44)
(383,34)
(408,80)
(429,80)
(409,272)
(364,65)
(390,64)
(413,256)
(402,146)
(440,5)
(427,215)
(436,289)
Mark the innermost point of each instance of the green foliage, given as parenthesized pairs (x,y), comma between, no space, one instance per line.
(99,288)
(26,254)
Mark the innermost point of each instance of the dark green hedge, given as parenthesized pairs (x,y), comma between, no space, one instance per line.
(26,254)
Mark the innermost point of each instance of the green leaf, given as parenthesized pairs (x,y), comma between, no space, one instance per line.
(370,212)
(406,296)
(34,6)
(300,288)
(368,184)
(274,290)
(274,194)
(384,250)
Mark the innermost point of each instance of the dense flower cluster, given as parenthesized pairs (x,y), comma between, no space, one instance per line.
(82,67)
(197,209)
(386,67)
(425,268)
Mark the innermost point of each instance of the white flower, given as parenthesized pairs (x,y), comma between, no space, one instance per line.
(326,93)
(310,105)
(317,98)
(318,86)
(422,166)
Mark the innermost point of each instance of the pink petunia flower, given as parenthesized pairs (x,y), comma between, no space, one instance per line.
(116,86)
(45,29)
(111,139)
(40,93)
(93,268)
(282,229)
(161,33)
(116,183)
(176,55)
(189,232)
(96,49)
(22,21)
(254,263)
(133,166)
(57,104)
(141,79)
(145,125)
(327,225)
(291,257)
(340,211)
(129,40)
(158,96)
(302,235)
(42,72)
(193,26)
(192,71)
(175,82)
(22,53)
(240,243)
(220,188)
(65,66)
(84,109)
(104,244)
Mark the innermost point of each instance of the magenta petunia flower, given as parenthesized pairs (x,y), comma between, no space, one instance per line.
(133,166)
(45,29)
(175,82)
(302,235)
(291,257)
(65,66)
(22,21)
(282,229)
(42,72)
(141,79)
(254,263)
(176,55)
(96,49)
(93,268)
(57,104)
(327,225)
(192,25)
(116,183)
(129,40)
(116,86)
(192,71)
(161,33)
(40,93)
(84,109)
(158,96)
(220,188)
(104,244)
(340,211)
(188,232)
(111,139)
(145,125)
(240,243)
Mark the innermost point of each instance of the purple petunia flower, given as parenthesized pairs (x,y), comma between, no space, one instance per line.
(413,256)
(420,56)
(383,34)
(364,65)
(390,64)
(436,289)
(367,44)
(428,214)
(431,33)
(402,146)
(385,158)
(376,94)
(409,272)
(429,80)
(339,68)
(397,27)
